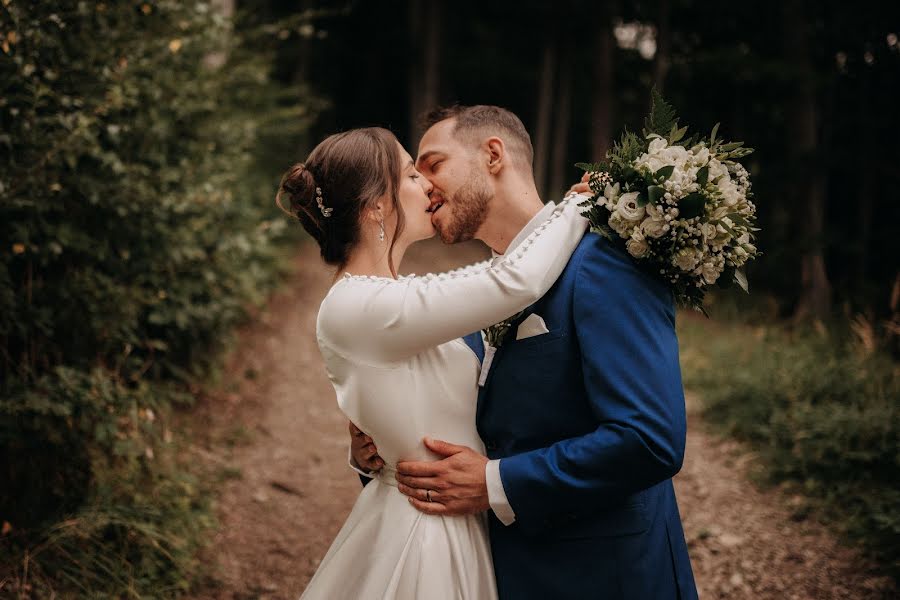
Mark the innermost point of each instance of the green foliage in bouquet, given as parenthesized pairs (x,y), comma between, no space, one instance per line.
(680,205)
(135,227)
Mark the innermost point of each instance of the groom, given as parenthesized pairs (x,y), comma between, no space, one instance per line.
(581,409)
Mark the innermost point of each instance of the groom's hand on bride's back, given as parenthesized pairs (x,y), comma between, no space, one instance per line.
(363,450)
(456,485)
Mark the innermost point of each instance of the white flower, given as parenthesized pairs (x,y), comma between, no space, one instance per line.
(716,170)
(653,228)
(611,192)
(686,259)
(637,246)
(657,145)
(620,225)
(701,157)
(628,208)
(729,191)
(710,272)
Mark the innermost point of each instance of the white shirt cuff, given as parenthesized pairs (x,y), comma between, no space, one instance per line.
(497,495)
(355,465)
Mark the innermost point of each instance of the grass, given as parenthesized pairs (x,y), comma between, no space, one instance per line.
(819,406)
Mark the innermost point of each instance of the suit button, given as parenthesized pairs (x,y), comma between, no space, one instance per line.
(490,446)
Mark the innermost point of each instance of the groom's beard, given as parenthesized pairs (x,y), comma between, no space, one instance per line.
(469,206)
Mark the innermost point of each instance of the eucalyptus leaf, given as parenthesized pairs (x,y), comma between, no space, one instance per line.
(741,279)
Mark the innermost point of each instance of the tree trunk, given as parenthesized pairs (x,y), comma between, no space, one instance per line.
(602,110)
(544,115)
(803,126)
(663,46)
(867,175)
(558,183)
(303,65)
(424,75)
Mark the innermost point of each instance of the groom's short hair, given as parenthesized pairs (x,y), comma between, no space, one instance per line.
(486,120)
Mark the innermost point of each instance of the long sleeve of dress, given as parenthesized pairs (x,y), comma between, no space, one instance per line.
(390,320)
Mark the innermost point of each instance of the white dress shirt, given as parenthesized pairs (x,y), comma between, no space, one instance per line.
(496,494)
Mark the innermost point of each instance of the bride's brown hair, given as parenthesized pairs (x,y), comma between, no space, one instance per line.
(353,170)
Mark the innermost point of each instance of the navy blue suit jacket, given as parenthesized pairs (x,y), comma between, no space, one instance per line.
(589,423)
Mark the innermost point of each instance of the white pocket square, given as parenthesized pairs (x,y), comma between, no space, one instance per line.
(530,327)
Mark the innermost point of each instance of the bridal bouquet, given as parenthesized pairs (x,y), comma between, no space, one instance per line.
(680,204)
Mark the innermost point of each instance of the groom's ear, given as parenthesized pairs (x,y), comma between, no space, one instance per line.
(496,154)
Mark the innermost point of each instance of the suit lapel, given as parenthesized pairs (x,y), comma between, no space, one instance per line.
(484,392)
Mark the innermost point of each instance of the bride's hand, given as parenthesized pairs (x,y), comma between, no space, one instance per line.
(582,186)
(363,450)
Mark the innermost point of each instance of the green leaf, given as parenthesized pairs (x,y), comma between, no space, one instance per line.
(663,173)
(741,278)
(588,167)
(655,192)
(712,136)
(703,175)
(604,231)
(641,199)
(677,134)
(691,206)
(731,146)
(726,279)
(662,116)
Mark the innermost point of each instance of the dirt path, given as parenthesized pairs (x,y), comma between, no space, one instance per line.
(278,438)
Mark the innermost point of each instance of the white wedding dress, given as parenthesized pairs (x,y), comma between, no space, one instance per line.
(393,353)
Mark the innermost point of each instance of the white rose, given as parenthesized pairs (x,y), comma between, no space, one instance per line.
(710,273)
(716,170)
(654,228)
(686,259)
(701,157)
(657,145)
(709,231)
(620,225)
(637,246)
(628,208)
(730,194)
(655,164)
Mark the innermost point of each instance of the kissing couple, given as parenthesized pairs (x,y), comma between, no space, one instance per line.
(523,417)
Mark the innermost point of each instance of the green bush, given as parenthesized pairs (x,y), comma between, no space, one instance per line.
(820,409)
(136,226)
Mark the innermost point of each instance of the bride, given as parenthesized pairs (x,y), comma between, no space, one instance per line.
(393,352)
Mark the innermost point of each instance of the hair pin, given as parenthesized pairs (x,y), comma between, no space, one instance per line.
(326,211)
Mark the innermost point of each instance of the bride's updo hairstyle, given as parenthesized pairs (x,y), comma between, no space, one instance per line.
(342,177)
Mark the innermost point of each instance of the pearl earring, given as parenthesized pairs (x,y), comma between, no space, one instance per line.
(381,235)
